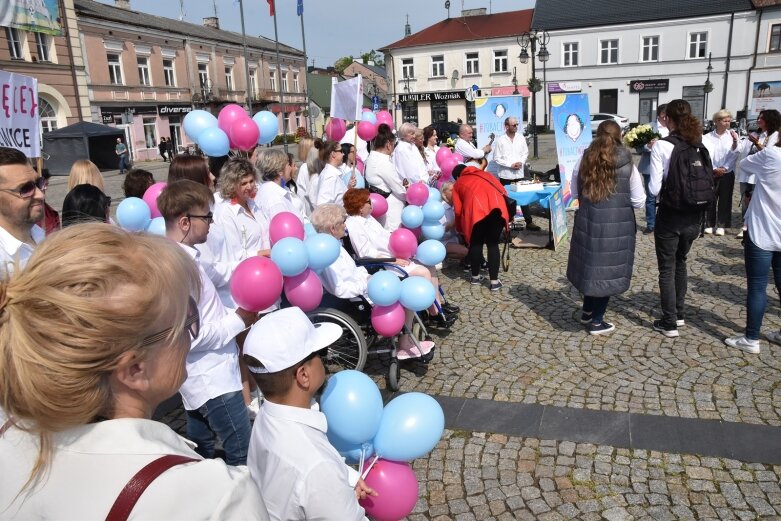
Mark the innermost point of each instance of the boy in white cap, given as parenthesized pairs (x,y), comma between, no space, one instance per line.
(300,475)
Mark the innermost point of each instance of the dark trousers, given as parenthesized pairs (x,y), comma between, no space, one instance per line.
(720,212)
(527,214)
(596,307)
(486,232)
(674,234)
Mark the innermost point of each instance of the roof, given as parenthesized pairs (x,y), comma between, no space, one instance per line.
(469,28)
(379,71)
(92,9)
(566,14)
(84,128)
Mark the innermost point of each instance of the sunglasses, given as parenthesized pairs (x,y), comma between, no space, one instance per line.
(27,190)
(209,217)
(192,325)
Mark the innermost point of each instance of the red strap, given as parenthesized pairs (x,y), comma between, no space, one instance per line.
(128,498)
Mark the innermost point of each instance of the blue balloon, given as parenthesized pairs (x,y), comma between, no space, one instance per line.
(433,230)
(289,254)
(214,142)
(430,252)
(359,181)
(351,451)
(433,211)
(309,230)
(352,404)
(411,426)
(322,249)
(417,293)
(156,226)
(197,121)
(268,125)
(369,116)
(384,288)
(433,194)
(133,214)
(412,216)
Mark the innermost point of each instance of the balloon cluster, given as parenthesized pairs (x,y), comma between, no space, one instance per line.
(258,282)
(422,214)
(391,295)
(447,161)
(142,215)
(408,427)
(232,128)
(366,128)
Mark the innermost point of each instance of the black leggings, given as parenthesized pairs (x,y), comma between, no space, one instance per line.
(486,232)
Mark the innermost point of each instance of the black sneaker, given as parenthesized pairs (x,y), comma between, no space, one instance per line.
(447,307)
(484,266)
(602,328)
(496,286)
(477,280)
(467,268)
(648,231)
(585,318)
(668,331)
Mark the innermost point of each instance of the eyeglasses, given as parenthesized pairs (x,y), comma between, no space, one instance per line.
(27,190)
(513,126)
(192,324)
(209,217)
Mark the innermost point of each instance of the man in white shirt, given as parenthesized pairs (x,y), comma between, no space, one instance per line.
(299,473)
(212,392)
(659,125)
(722,144)
(21,206)
(464,146)
(407,159)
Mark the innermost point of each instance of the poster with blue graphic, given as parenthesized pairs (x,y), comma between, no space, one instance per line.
(39,16)
(572,122)
(491,113)
(558,218)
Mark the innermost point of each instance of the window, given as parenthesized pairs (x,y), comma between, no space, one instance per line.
(168,73)
(296,87)
(500,61)
(14,43)
(608,52)
(472,63)
(253,86)
(42,43)
(437,66)
(143,70)
(407,68)
(203,77)
(775,38)
(272,79)
(150,132)
(229,78)
(114,69)
(698,45)
(569,54)
(284,82)
(48,116)
(650,49)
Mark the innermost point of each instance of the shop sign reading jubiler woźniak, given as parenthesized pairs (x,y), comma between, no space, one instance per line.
(20,126)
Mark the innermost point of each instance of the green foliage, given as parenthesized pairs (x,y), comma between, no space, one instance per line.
(341,64)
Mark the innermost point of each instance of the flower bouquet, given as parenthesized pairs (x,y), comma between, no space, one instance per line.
(640,136)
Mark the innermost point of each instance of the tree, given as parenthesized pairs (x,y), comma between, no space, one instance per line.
(377,58)
(341,64)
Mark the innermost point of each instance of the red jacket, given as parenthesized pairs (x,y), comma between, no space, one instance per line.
(475,194)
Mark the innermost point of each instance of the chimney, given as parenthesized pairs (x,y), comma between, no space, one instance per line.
(122,4)
(211,21)
(480,11)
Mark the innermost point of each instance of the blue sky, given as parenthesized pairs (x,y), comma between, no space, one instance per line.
(334,28)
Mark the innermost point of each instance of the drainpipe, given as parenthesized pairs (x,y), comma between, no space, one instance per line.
(753,63)
(729,55)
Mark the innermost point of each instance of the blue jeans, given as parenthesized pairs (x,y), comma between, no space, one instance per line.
(123,163)
(758,263)
(227,417)
(596,306)
(650,205)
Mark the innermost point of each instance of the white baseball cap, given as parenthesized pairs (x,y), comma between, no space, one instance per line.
(283,338)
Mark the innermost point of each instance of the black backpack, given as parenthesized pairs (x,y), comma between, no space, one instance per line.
(689,183)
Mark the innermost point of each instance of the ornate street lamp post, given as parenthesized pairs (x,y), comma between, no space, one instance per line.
(708,88)
(530,40)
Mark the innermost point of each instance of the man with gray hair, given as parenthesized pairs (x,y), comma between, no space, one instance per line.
(407,159)
(471,153)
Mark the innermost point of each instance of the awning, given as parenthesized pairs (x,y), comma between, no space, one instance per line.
(286,108)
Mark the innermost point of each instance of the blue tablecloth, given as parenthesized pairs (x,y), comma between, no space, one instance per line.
(527,198)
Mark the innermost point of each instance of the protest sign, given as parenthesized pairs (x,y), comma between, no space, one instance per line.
(20,126)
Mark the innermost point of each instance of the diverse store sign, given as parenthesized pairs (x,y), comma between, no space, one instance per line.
(655,85)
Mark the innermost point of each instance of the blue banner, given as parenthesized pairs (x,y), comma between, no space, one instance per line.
(491,113)
(571,120)
(300,7)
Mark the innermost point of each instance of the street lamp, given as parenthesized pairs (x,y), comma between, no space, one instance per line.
(708,88)
(527,40)
(515,82)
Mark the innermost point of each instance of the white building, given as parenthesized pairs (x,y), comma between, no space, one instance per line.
(764,85)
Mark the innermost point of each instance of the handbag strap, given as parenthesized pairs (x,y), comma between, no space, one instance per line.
(129,496)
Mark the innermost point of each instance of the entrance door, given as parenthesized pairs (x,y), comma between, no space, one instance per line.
(608,101)
(175,130)
(695,95)
(438,111)
(647,111)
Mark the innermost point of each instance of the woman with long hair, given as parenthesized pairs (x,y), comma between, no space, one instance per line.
(84,204)
(430,149)
(602,253)
(85,172)
(382,177)
(194,168)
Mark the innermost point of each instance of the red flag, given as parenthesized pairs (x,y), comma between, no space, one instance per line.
(270,7)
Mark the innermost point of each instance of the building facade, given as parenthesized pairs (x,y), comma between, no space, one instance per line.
(763,89)
(375,81)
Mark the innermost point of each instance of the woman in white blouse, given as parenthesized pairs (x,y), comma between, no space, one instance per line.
(331,188)
(272,198)
(430,149)
(344,280)
(382,176)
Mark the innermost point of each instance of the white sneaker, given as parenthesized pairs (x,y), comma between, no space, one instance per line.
(708,230)
(719,231)
(743,343)
(680,322)
(774,337)
(740,234)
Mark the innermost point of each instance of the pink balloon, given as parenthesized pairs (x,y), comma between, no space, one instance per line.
(366,130)
(228,115)
(379,205)
(458,157)
(442,154)
(417,194)
(384,116)
(304,290)
(285,224)
(256,283)
(359,164)
(244,134)
(335,129)
(448,166)
(150,198)
(403,243)
(388,320)
(397,490)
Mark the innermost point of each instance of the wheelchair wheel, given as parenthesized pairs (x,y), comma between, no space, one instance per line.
(394,375)
(349,351)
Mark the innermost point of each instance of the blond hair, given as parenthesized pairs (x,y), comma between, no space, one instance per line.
(231,175)
(303,147)
(270,163)
(85,172)
(89,294)
(326,216)
(723,113)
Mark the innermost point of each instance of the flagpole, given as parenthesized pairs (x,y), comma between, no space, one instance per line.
(306,77)
(246,60)
(279,77)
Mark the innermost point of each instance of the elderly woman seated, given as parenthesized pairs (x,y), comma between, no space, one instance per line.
(345,280)
(370,240)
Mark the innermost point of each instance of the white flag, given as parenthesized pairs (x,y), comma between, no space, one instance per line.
(346,98)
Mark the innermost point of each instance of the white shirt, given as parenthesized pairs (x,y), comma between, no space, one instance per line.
(343,278)
(299,473)
(13,250)
(747,148)
(368,237)
(409,163)
(508,152)
(213,360)
(660,164)
(330,187)
(272,199)
(92,463)
(431,160)
(636,189)
(302,184)
(763,216)
(720,150)
(381,173)
(468,150)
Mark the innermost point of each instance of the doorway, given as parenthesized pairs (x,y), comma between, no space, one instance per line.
(608,100)
(175,133)
(647,109)
(438,111)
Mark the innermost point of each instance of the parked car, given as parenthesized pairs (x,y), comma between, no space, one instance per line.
(598,118)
